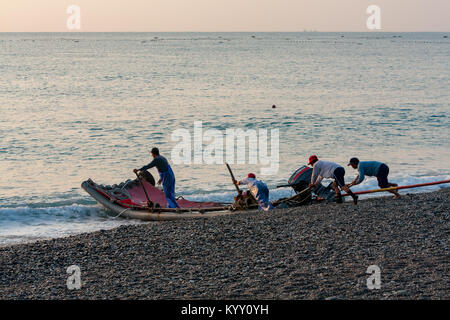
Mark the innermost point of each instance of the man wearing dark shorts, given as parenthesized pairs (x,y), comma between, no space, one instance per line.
(372,169)
(330,170)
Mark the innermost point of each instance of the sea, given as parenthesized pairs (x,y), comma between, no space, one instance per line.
(75,106)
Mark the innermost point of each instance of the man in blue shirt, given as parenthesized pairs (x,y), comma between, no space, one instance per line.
(372,169)
(167,177)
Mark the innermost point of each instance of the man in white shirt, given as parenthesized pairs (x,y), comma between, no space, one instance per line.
(330,170)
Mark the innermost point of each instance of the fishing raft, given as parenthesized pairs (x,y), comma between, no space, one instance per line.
(140,199)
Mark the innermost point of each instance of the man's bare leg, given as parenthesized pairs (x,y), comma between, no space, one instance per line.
(395,192)
(337,191)
(392,185)
(355,197)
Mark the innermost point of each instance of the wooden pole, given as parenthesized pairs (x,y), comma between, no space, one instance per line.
(232,177)
(400,188)
(149,203)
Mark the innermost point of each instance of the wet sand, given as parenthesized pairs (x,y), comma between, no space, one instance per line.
(312,252)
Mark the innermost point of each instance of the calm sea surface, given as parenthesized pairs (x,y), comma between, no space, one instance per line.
(75,106)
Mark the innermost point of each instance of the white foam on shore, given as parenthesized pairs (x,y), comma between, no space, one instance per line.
(369,184)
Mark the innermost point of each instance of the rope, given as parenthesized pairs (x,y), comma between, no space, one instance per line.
(121,212)
(126,183)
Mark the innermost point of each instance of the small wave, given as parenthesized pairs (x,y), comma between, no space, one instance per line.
(51,211)
(227,197)
(26,224)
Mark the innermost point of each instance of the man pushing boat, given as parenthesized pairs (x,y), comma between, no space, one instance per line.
(167,177)
(372,169)
(259,190)
(330,170)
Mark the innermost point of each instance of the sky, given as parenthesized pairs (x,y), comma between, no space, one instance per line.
(223,15)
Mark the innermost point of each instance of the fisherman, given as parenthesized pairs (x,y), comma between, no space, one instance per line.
(329,170)
(167,177)
(259,190)
(372,169)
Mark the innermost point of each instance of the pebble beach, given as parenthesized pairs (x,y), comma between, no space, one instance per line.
(312,252)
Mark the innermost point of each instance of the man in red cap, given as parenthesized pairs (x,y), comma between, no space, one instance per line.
(330,170)
(259,190)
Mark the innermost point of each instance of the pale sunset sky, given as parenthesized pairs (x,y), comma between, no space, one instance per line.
(223,15)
